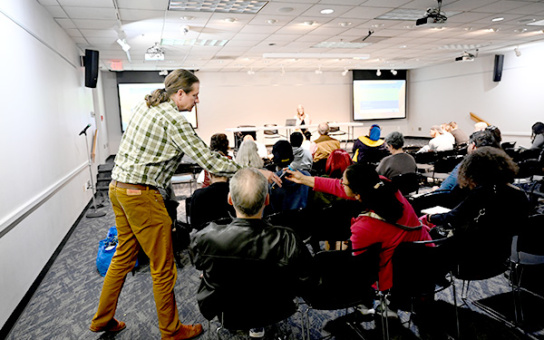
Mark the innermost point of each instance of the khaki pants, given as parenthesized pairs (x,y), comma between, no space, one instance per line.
(142,221)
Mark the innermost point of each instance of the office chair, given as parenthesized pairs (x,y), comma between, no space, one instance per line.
(343,281)
(407,183)
(527,251)
(418,274)
(250,294)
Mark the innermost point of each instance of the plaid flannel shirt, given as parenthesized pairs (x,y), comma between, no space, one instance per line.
(154,143)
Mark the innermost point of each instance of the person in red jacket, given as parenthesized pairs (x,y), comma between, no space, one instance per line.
(387,217)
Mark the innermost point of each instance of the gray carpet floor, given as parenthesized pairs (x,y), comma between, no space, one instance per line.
(66,300)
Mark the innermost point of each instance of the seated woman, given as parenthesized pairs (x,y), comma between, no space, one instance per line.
(219,143)
(388,218)
(399,162)
(537,136)
(248,155)
(494,209)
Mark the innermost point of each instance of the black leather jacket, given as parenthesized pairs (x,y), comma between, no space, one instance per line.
(246,264)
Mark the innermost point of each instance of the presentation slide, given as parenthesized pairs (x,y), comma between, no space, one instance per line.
(131,94)
(379,99)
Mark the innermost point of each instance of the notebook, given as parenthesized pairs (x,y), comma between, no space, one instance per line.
(290,122)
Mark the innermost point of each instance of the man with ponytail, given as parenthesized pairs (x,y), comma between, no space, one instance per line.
(153,145)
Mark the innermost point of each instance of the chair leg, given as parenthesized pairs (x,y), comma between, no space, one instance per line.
(456,306)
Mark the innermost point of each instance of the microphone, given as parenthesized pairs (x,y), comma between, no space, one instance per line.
(84,131)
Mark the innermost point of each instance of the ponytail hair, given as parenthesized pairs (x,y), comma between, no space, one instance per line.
(177,80)
(376,194)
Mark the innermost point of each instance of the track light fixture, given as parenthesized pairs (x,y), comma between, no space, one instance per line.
(378,73)
(251,72)
(394,72)
(517,52)
(318,71)
(345,72)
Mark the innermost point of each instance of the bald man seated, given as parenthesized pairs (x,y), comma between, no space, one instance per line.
(249,262)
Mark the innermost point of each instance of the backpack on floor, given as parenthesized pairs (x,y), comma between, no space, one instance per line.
(106,249)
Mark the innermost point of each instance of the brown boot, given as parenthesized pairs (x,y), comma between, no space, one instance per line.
(186,332)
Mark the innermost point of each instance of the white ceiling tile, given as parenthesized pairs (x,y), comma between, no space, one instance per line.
(56,11)
(143,4)
(138,14)
(90,12)
(87,3)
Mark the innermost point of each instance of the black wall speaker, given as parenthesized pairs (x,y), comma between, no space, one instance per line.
(497,68)
(91,68)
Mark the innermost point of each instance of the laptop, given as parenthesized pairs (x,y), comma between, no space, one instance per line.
(290,122)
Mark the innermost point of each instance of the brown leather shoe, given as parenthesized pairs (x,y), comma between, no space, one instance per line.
(187,332)
(112,326)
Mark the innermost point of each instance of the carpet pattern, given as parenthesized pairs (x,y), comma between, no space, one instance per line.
(66,300)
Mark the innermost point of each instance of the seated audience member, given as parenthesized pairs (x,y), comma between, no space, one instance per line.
(308,144)
(399,162)
(249,256)
(303,159)
(248,155)
(325,143)
(291,196)
(442,141)
(261,148)
(371,148)
(219,143)
(537,136)
(324,146)
(496,133)
(388,218)
(337,163)
(491,214)
(460,137)
(477,140)
(479,126)
(210,203)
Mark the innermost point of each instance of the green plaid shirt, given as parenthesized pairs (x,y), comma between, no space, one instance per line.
(154,143)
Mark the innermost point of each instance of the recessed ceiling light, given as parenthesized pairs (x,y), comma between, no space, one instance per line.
(403,46)
(229,19)
(309,23)
(520,30)
(526,21)
(271,21)
(286,9)
(187,18)
(327,11)
(345,24)
(497,19)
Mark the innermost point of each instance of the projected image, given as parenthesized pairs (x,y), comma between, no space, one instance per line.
(379,99)
(131,94)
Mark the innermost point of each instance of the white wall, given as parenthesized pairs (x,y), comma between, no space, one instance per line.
(436,95)
(44,161)
(451,91)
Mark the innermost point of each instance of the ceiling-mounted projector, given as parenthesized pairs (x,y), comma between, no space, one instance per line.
(433,16)
(155,52)
(465,57)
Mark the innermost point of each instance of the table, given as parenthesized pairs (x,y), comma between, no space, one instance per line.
(349,125)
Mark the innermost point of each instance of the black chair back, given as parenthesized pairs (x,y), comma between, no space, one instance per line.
(407,183)
(344,280)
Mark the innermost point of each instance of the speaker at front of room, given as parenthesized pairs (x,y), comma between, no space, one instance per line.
(91,68)
(497,69)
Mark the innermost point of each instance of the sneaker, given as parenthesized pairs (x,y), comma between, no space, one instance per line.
(387,312)
(256,332)
(365,310)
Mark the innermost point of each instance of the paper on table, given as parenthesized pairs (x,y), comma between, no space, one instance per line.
(435,210)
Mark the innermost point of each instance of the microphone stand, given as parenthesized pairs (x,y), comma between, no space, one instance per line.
(96,212)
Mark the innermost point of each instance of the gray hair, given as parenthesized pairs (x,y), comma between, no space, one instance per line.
(248,155)
(248,190)
(323,129)
(395,139)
